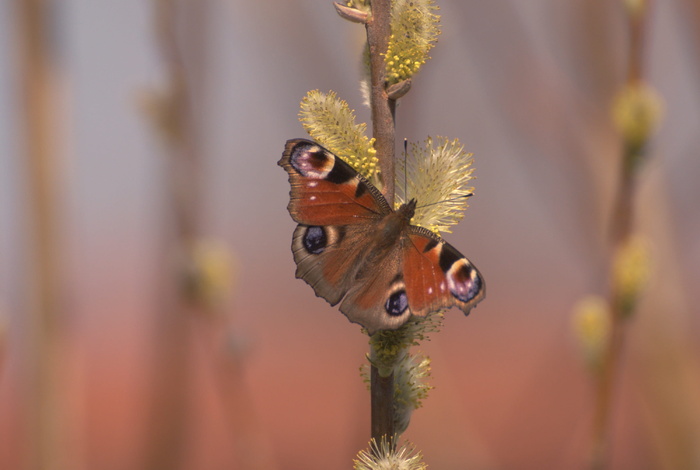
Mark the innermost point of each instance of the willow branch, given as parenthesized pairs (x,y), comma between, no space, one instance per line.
(378,31)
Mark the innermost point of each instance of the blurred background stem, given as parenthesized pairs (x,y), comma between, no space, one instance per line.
(43,296)
(622,230)
(179,28)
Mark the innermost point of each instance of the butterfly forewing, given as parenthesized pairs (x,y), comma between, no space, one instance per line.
(326,190)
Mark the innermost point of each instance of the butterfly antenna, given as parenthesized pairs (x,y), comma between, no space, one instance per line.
(405,169)
(463,196)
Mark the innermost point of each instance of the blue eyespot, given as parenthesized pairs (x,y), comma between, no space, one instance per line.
(315,240)
(397,303)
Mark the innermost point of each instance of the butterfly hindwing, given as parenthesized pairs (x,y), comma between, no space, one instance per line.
(327,257)
(437,275)
(326,190)
(378,299)
(333,260)
(421,275)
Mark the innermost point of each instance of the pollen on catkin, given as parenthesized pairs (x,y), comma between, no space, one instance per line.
(436,174)
(411,388)
(388,346)
(330,122)
(414,30)
(385,456)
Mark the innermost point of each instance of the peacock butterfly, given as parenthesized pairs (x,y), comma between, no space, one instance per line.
(351,246)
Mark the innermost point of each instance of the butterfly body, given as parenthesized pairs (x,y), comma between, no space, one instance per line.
(351,246)
(390,228)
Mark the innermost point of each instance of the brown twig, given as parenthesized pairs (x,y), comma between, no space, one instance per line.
(383,129)
(378,31)
(382,405)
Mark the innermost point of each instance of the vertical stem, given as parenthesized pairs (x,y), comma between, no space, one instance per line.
(378,32)
(382,398)
(621,229)
(182,165)
(40,147)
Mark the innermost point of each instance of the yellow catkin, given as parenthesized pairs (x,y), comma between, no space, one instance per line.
(330,121)
(415,28)
(437,175)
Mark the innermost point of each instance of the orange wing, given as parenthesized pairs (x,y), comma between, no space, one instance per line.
(326,190)
(438,276)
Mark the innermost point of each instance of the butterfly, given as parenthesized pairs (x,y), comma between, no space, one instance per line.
(352,248)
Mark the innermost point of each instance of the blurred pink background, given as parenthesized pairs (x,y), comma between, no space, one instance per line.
(525,86)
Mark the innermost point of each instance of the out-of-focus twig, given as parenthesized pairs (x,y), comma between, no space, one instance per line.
(179,33)
(40,141)
(621,234)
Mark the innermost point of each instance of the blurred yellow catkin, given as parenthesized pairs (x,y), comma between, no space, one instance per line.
(636,112)
(592,326)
